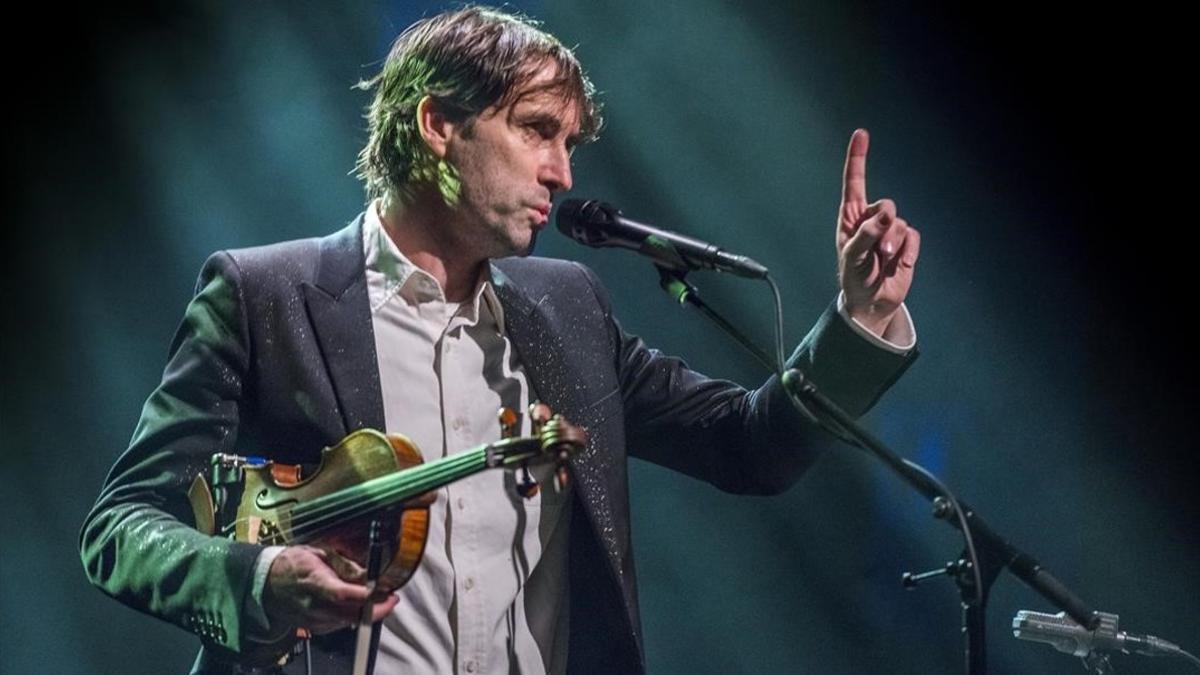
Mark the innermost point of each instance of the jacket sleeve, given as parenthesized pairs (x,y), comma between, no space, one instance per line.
(743,441)
(138,543)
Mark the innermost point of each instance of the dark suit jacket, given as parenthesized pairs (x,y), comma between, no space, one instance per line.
(276,357)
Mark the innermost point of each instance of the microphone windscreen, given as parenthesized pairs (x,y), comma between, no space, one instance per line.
(583,220)
(569,214)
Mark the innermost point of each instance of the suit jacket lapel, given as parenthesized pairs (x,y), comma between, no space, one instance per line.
(538,340)
(537,335)
(341,318)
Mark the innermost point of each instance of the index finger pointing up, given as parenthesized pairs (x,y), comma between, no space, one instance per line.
(854,180)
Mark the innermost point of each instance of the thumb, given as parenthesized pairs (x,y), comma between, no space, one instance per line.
(384,607)
(345,568)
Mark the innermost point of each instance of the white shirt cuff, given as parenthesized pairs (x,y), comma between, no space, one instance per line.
(900,336)
(253,608)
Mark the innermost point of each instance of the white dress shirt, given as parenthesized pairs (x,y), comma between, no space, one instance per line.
(474,604)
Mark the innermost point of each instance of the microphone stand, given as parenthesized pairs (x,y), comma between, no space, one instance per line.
(673,282)
(994,554)
(985,552)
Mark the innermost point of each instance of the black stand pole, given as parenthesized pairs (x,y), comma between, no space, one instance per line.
(975,636)
(986,553)
(992,552)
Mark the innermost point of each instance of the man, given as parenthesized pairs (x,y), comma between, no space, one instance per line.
(414,319)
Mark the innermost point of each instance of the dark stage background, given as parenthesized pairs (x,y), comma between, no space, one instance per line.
(1042,155)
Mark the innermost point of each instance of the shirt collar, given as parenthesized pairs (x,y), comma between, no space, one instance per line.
(391,273)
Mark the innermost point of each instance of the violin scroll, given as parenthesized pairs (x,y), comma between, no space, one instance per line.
(554,439)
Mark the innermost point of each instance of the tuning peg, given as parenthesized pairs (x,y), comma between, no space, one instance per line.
(509,422)
(539,414)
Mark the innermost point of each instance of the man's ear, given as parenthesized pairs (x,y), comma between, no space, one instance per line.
(435,128)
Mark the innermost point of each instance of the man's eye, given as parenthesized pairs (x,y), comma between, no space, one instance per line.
(539,130)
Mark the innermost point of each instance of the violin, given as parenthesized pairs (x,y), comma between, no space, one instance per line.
(371,479)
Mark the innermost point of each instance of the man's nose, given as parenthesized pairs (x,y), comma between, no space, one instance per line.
(556,171)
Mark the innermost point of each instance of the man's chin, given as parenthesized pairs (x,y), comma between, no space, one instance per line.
(519,249)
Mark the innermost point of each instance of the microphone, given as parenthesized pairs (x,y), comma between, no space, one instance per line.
(1060,631)
(597,224)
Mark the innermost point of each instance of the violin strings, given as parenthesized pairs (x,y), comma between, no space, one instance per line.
(388,484)
(434,474)
(311,518)
(317,515)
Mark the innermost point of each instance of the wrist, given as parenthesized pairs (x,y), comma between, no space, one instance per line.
(873,320)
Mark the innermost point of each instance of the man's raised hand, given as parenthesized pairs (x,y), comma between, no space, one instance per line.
(877,249)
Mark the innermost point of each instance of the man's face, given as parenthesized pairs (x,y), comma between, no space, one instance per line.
(508,164)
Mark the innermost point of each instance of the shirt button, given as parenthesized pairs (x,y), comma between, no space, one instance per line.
(462,503)
(470,583)
(471,666)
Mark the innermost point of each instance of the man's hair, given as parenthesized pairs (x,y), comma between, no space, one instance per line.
(468,61)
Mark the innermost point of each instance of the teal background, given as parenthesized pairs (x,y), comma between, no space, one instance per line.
(1044,155)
